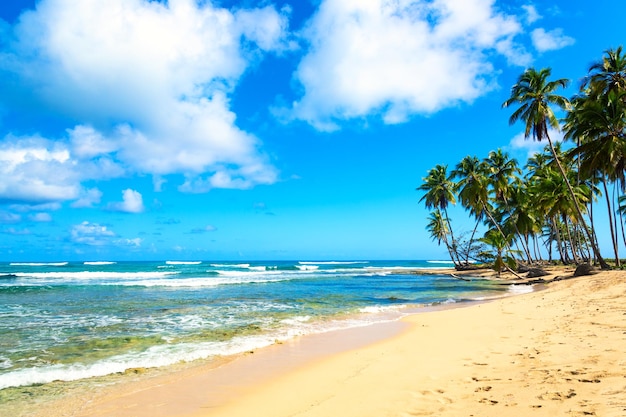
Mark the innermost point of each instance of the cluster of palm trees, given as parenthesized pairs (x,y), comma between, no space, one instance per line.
(546,207)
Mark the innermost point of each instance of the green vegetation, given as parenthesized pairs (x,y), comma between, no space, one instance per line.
(549,204)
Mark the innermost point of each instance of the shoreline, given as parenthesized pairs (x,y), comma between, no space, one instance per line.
(206,390)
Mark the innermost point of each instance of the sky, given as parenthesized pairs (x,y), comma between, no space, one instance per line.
(261,130)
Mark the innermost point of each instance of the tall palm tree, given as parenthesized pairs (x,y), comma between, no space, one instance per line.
(439,192)
(535,94)
(597,122)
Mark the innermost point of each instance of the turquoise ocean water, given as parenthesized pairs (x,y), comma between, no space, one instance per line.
(75,320)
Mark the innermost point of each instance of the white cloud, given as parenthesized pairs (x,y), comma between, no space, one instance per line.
(550,40)
(399,58)
(88,198)
(148,83)
(531,14)
(91,234)
(135,243)
(36,170)
(132,202)
(529,146)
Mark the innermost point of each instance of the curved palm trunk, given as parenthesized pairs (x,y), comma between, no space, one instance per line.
(452,248)
(579,213)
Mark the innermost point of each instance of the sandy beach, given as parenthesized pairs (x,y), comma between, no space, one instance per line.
(554,352)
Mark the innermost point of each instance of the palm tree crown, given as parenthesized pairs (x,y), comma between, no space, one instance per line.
(535,95)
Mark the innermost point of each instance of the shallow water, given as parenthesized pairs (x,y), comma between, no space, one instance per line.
(73,321)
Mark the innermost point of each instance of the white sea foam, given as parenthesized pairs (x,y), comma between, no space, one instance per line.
(156,356)
(257,268)
(183,262)
(520,289)
(87,275)
(236,279)
(296,320)
(169,354)
(307,267)
(38,263)
(230,265)
(97,263)
(381,309)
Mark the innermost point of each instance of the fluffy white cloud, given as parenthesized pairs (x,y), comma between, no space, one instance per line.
(148,84)
(36,170)
(132,202)
(91,234)
(399,57)
(550,40)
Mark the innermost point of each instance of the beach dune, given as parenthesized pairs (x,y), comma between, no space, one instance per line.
(554,352)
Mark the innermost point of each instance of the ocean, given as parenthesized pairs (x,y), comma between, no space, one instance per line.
(72,321)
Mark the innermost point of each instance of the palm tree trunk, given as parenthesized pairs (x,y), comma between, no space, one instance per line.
(452,248)
(572,242)
(559,242)
(611,222)
(596,251)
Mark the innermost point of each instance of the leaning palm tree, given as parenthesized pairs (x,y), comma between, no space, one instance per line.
(439,231)
(535,94)
(439,192)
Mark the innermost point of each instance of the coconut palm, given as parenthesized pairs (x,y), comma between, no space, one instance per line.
(535,95)
(503,174)
(606,75)
(472,191)
(597,122)
(438,229)
(501,253)
(439,190)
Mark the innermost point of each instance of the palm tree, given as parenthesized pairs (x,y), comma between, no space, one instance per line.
(500,245)
(597,122)
(503,174)
(607,75)
(535,94)
(439,190)
(472,190)
(438,229)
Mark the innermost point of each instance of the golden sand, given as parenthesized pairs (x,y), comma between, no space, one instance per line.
(556,352)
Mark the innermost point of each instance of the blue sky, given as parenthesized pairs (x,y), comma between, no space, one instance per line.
(184,129)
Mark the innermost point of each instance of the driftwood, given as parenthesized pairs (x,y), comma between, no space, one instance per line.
(461,278)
